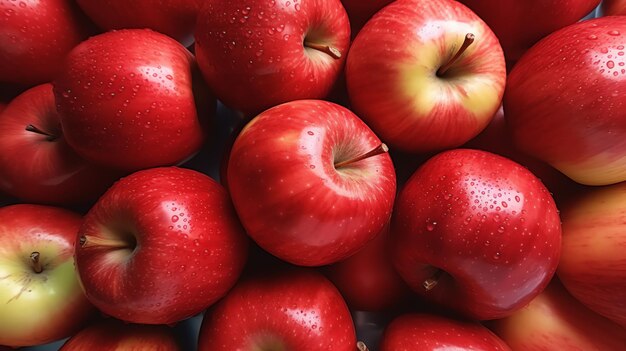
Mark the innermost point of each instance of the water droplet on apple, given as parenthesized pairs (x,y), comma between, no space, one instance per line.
(310,133)
(592,37)
(312,166)
(496,256)
(614,33)
(610,64)
(431,226)
(174,218)
(500,229)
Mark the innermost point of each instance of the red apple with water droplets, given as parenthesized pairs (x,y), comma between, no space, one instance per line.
(565,101)
(175,18)
(258,54)
(476,232)
(36,36)
(37,164)
(291,310)
(425,75)
(159,246)
(41,299)
(593,260)
(126,100)
(367,280)
(520,24)
(555,320)
(311,183)
(425,332)
(113,335)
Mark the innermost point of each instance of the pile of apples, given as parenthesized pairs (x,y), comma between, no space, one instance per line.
(313,175)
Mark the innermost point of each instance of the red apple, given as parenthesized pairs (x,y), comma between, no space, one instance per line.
(520,24)
(112,335)
(258,54)
(176,18)
(554,320)
(293,310)
(564,97)
(613,7)
(37,164)
(126,100)
(35,37)
(367,280)
(359,12)
(40,297)
(300,186)
(476,232)
(425,332)
(407,81)
(593,260)
(159,246)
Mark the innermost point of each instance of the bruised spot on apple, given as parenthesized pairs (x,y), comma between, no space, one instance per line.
(312,184)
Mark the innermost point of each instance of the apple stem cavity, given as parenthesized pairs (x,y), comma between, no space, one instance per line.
(431,282)
(327,49)
(91,241)
(35,263)
(380,149)
(34,129)
(360,346)
(469,39)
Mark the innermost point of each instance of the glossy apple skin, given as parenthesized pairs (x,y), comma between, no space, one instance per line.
(290,197)
(367,280)
(555,320)
(393,84)
(39,308)
(291,310)
(497,138)
(564,97)
(190,247)
(252,54)
(613,7)
(359,12)
(175,18)
(431,332)
(520,24)
(486,222)
(113,335)
(36,169)
(593,261)
(126,100)
(36,36)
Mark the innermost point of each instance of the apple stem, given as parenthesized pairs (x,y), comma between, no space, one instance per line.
(89,241)
(361,346)
(380,149)
(32,128)
(469,39)
(35,263)
(327,49)
(431,282)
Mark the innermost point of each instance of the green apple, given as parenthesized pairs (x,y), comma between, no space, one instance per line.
(41,299)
